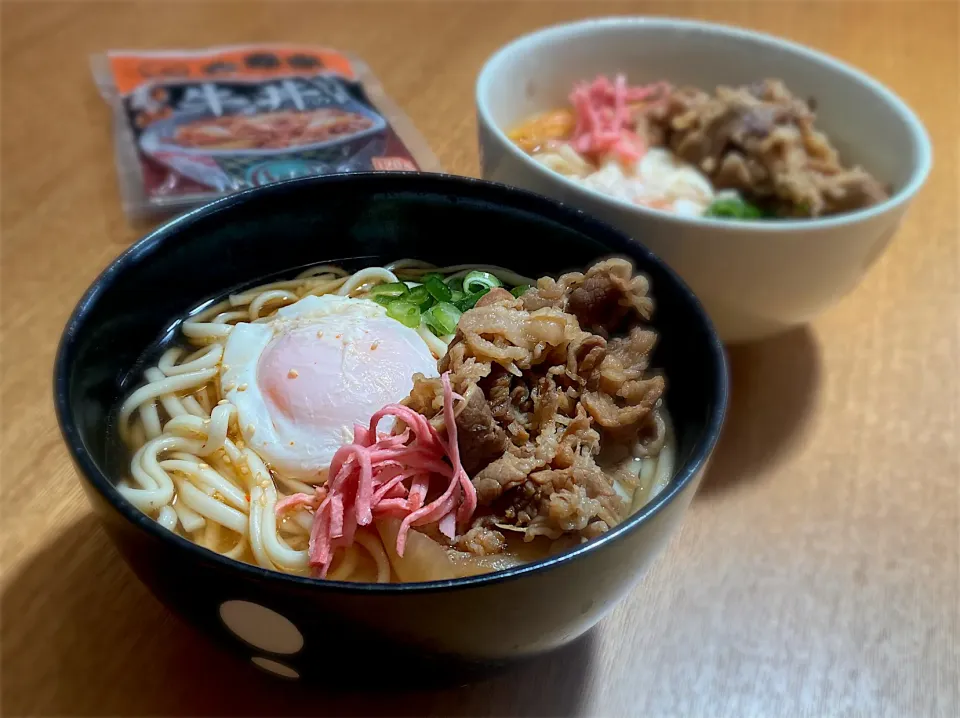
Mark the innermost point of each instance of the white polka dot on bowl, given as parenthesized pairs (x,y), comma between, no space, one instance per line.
(261,627)
(275,667)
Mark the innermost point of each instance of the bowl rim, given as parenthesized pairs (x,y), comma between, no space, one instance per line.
(500,194)
(919,135)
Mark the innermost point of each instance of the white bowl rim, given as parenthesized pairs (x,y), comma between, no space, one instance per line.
(901,197)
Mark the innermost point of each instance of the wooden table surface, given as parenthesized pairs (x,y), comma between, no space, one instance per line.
(818,570)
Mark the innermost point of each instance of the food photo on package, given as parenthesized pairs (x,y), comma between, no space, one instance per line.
(191,126)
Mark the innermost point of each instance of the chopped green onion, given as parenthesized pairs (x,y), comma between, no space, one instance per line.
(456,295)
(404,312)
(431,275)
(519,290)
(438,290)
(442,318)
(733,208)
(385,293)
(455,284)
(420,296)
(480,281)
(394,289)
(470,301)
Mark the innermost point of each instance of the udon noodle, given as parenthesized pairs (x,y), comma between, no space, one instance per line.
(192,470)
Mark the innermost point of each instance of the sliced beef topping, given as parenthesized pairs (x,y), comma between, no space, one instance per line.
(480,438)
(544,380)
(601,299)
(761,141)
(482,540)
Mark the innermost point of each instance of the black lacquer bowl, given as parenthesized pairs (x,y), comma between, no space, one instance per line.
(328,630)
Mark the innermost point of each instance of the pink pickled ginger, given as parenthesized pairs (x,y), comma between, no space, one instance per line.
(605,125)
(390,475)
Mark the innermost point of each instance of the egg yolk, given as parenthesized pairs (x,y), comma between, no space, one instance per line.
(328,377)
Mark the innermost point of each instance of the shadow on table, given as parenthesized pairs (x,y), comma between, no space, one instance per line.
(66,649)
(774,386)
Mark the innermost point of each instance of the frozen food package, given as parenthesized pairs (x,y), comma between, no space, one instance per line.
(191,126)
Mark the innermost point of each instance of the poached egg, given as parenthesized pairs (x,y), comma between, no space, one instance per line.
(302,378)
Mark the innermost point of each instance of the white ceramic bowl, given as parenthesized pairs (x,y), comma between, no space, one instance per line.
(755,278)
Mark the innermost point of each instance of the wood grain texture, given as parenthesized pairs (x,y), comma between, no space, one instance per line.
(818,570)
